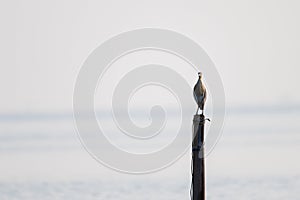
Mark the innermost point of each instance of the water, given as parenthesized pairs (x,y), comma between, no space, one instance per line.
(256,158)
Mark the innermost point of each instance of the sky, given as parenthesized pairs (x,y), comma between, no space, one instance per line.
(254,45)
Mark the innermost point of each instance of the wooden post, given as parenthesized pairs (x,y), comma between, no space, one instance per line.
(198,171)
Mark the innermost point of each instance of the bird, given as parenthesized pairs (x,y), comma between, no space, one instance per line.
(200,93)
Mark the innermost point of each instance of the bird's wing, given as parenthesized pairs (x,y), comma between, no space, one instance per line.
(195,96)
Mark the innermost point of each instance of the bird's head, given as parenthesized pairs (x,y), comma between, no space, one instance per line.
(200,74)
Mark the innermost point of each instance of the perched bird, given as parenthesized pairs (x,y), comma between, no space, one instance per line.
(200,93)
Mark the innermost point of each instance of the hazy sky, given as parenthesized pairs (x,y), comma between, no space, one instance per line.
(254,44)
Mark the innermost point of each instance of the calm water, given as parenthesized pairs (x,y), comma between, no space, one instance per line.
(256,158)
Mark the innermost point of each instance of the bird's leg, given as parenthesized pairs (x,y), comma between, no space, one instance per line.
(202,112)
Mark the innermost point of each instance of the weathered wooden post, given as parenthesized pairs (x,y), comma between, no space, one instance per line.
(198,173)
(198,164)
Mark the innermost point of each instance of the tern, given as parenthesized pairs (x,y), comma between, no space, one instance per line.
(200,93)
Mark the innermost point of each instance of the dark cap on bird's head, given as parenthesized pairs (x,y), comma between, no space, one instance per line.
(200,74)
